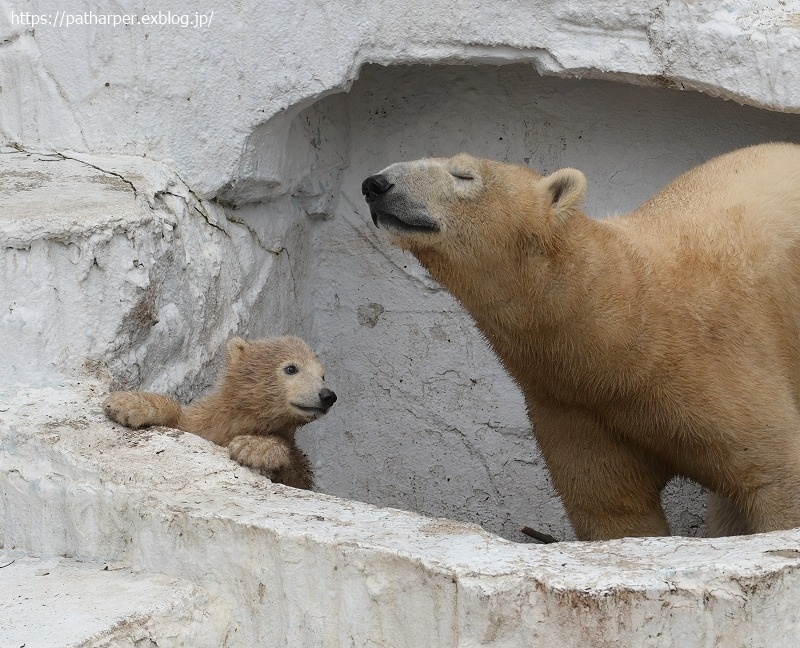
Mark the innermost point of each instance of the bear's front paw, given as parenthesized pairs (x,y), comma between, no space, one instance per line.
(267,453)
(132,409)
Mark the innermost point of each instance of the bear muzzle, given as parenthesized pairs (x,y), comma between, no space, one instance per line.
(372,189)
(326,398)
(391,207)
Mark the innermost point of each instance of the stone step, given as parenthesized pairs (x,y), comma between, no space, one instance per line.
(50,602)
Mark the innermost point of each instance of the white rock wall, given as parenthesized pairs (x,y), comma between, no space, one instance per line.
(52,602)
(194,98)
(113,268)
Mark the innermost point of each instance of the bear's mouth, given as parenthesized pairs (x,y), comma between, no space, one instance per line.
(409,225)
(313,411)
(393,222)
(390,206)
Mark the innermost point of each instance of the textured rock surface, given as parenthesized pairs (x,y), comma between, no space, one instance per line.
(160,90)
(291,568)
(112,266)
(57,602)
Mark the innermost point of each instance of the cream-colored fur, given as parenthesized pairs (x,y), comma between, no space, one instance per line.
(269,389)
(659,343)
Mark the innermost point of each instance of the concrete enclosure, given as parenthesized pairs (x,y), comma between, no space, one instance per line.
(161,192)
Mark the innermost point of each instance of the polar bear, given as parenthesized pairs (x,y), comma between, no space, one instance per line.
(269,388)
(659,343)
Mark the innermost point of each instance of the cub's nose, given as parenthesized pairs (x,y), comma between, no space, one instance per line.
(327,397)
(374,186)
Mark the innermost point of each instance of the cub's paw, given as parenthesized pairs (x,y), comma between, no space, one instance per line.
(267,453)
(132,409)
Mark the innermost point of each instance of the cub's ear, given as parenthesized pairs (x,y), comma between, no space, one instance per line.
(236,348)
(564,190)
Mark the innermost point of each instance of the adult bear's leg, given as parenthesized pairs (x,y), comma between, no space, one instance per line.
(609,489)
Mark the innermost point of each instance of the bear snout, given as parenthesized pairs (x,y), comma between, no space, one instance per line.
(375,186)
(327,397)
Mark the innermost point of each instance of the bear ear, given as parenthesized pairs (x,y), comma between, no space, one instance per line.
(236,348)
(565,190)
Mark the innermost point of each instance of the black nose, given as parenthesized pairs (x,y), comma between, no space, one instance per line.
(327,397)
(374,186)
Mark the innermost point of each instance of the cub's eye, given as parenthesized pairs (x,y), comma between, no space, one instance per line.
(290,370)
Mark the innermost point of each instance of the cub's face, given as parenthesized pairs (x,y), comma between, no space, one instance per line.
(281,378)
(466,205)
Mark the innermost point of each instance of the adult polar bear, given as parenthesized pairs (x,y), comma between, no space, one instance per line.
(663,342)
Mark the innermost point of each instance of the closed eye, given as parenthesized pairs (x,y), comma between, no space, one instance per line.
(462,175)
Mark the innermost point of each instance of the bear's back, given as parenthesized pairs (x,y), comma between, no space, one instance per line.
(739,208)
(764,180)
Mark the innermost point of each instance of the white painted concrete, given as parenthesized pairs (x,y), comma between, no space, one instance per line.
(201,99)
(57,602)
(112,267)
(283,567)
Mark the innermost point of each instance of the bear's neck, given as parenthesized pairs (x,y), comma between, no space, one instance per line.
(559,319)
